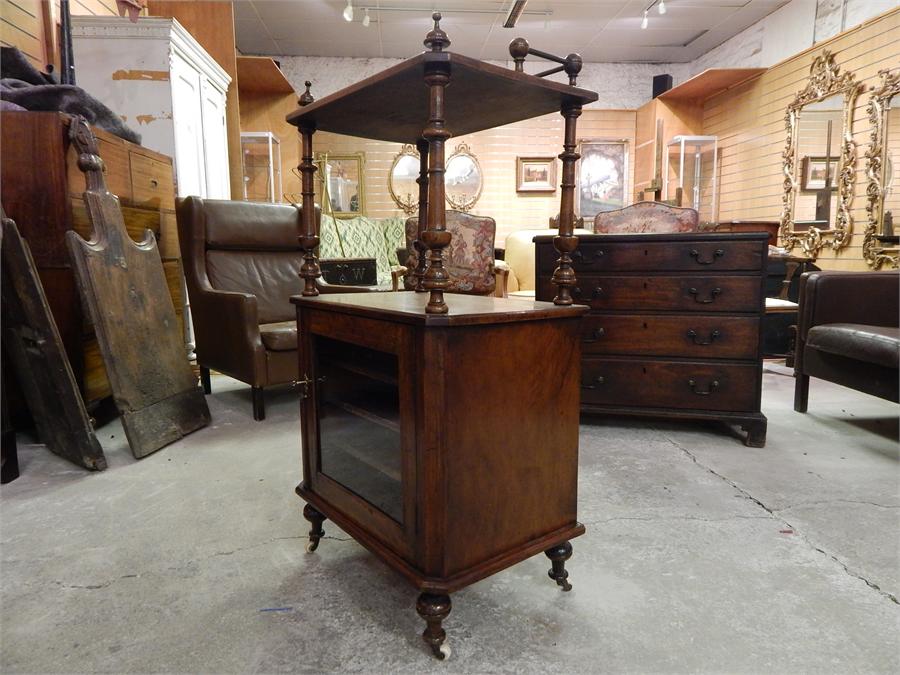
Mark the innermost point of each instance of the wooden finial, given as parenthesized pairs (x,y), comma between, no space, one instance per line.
(518,49)
(572,66)
(437,39)
(306,98)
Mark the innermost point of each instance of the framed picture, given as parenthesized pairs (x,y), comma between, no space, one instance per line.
(602,176)
(812,176)
(341,176)
(535,174)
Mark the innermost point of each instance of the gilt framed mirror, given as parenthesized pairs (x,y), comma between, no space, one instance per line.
(463,179)
(402,179)
(340,179)
(819,160)
(881,243)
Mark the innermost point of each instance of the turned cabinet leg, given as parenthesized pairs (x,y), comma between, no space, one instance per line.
(558,556)
(756,433)
(315,532)
(434,609)
(259,405)
(204,380)
(801,392)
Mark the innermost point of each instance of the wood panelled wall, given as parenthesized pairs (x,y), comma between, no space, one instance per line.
(496,151)
(749,121)
(32,25)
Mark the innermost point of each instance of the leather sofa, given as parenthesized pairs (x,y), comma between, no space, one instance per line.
(848,333)
(241,263)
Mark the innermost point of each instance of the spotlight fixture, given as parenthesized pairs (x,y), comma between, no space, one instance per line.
(644,21)
(348,11)
(515,12)
(366,20)
(662,6)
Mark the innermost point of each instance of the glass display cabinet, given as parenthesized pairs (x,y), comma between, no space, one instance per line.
(408,442)
(261,153)
(692,175)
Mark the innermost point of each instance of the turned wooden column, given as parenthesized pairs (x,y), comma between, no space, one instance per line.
(566,242)
(418,244)
(309,238)
(435,237)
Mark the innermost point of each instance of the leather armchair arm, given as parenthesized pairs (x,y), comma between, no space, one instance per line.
(848,297)
(226,324)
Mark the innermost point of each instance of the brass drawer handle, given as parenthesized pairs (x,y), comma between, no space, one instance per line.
(597,334)
(712,387)
(596,293)
(712,296)
(597,381)
(703,343)
(589,260)
(695,254)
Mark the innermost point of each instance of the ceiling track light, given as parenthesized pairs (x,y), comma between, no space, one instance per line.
(662,6)
(644,21)
(366,20)
(348,11)
(515,12)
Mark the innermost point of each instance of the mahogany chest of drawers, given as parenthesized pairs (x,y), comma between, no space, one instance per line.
(674,328)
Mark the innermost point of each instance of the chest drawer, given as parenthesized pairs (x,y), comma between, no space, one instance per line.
(701,337)
(703,255)
(663,293)
(151,182)
(669,384)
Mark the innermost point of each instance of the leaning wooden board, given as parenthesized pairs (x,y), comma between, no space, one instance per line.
(36,351)
(123,285)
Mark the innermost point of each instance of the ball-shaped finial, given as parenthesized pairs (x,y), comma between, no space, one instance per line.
(518,50)
(437,39)
(572,66)
(306,98)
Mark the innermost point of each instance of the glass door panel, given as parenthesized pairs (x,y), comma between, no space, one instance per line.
(359,422)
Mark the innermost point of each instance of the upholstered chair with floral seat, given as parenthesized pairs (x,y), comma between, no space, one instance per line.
(469,258)
(647,218)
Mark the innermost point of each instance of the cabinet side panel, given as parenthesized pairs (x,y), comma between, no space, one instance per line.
(510,437)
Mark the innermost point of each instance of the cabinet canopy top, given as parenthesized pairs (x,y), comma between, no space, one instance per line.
(393,105)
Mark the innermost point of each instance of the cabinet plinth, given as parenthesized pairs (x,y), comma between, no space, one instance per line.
(436,441)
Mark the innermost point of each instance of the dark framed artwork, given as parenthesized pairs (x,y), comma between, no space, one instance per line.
(812,176)
(536,174)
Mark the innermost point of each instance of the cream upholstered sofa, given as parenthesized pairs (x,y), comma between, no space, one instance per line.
(519,257)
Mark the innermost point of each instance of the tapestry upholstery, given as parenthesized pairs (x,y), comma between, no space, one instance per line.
(394,231)
(647,218)
(329,242)
(469,258)
(363,237)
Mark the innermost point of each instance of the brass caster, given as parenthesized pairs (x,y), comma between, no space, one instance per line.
(312,546)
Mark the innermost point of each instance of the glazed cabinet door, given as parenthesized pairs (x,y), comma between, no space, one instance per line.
(358,413)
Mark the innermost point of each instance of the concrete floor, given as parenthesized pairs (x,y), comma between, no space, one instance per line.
(701,555)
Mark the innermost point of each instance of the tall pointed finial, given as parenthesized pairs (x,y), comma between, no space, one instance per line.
(306,98)
(437,40)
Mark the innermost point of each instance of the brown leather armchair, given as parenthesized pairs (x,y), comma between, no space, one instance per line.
(241,262)
(848,333)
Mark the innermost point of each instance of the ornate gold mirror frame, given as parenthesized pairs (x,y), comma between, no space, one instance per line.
(876,161)
(462,199)
(409,202)
(349,169)
(824,80)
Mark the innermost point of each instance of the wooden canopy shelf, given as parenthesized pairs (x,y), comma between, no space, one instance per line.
(484,96)
(261,75)
(709,83)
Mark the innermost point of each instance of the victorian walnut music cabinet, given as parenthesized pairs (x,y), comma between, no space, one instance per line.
(408,442)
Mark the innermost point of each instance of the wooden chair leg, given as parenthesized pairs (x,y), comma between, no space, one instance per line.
(801,392)
(259,405)
(204,380)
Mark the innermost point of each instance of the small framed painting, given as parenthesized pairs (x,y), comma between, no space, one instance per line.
(602,176)
(535,174)
(813,173)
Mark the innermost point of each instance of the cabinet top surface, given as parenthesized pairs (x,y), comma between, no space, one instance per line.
(666,237)
(464,310)
(393,104)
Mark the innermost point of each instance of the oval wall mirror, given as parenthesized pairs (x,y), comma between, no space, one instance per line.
(463,179)
(402,180)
